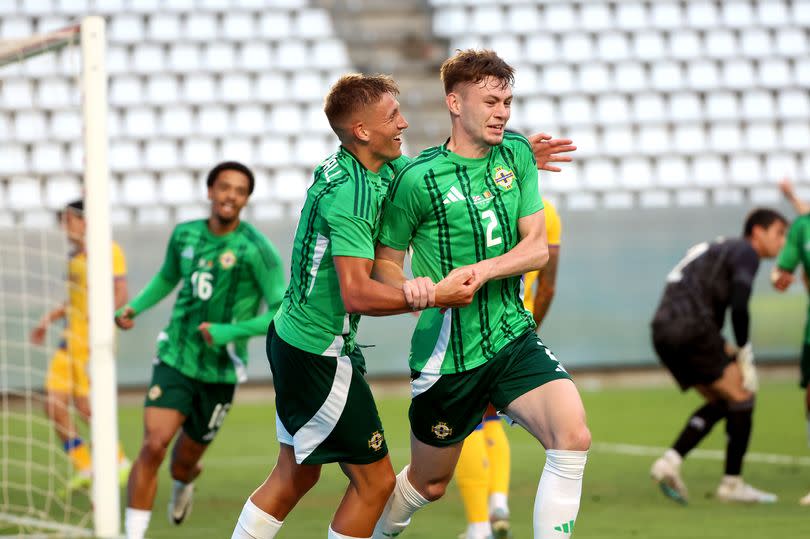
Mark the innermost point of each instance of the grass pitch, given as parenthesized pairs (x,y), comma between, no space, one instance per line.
(619,499)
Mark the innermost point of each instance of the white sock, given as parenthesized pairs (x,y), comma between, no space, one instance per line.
(253,523)
(499,501)
(403,503)
(478,530)
(673,457)
(135,522)
(558,494)
(335,535)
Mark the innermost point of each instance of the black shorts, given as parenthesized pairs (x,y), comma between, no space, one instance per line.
(693,351)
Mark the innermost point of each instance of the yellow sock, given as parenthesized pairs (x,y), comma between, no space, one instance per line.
(79,455)
(472,476)
(497,445)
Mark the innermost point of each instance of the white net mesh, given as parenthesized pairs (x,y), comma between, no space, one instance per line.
(39,102)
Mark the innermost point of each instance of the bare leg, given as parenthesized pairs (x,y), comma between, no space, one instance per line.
(160,426)
(56,407)
(370,485)
(286,484)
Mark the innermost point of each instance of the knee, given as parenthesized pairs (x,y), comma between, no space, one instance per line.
(181,470)
(379,489)
(434,490)
(306,477)
(574,439)
(154,448)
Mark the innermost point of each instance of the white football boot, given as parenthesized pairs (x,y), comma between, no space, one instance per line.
(666,471)
(180,503)
(734,489)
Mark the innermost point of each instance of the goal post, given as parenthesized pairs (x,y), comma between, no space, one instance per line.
(89,37)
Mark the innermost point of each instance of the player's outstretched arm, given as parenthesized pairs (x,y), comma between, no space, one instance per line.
(550,150)
(268,272)
(157,289)
(786,186)
(39,331)
(789,258)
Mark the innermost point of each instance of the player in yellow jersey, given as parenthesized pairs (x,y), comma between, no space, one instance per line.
(483,469)
(67,378)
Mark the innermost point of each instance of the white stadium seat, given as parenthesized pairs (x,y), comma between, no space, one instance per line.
(737,13)
(219,56)
(16,27)
(199,89)
(292,55)
(24,193)
(238,149)
(184,57)
(649,107)
(738,74)
(191,212)
(124,156)
(118,60)
(795,135)
(139,189)
(631,15)
(313,24)
(755,43)
(559,15)
(236,88)
(177,188)
(126,28)
(725,137)
(140,122)
(612,108)
(801,73)
(791,42)
(162,154)
(250,119)
(575,110)
(509,48)
(176,121)
(17,94)
(757,104)
(125,90)
(316,121)
(773,13)
(30,126)
(577,47)
(793,104)
(667,76)
(708,170)
(779,166)
(286,119)
(308,150)
(48,157)
(329,54)
(630,76)
(306,86)
(774,73)
(636,173)
(275,25)
(238,26)
(689,138)
(59,190)
(163,27)
(691,197)
(558,78)
(272,87)
(595,78)
(56,93)
(703,75)
(721,43)
(567,180)
(162,89)
(539,111)
(685,106)
(213,120)
(255,56)
(619,141)
(152,215)
(685,45)
(745,169)
(722,106)
(672,171)
(450,22)
(523,18)
(595,17)
(274,151)
(801,13)
(198,152)
(290,184)
(761,137)
(654,139)
(701,14)
(201,27)
(613,47)
(666,15)
(541,48)
(13,159)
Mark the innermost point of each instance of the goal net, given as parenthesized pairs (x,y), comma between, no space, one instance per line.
(53,149)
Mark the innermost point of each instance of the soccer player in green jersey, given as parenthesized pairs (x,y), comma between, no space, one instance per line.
(325,409)
(225,268)
(473,203)
(795,252)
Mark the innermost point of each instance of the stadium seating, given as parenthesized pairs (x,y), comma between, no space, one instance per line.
(669,103)
(192,82)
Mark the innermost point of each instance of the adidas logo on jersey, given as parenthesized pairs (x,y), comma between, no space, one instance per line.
(453,195)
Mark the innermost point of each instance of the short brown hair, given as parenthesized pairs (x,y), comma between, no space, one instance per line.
(473,66)
(354,91)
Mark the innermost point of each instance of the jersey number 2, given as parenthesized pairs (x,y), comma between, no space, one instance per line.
(492,219)
(202,284)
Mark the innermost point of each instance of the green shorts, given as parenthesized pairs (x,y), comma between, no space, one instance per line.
(204,404)
(324,407)
(446,408)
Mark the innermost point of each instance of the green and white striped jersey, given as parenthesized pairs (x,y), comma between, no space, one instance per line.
(340,218)
(454,211)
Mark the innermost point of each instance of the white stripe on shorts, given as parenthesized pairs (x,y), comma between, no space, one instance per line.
(316,430)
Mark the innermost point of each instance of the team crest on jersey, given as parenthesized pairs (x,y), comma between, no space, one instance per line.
(154,392)
(376,441)
(503,178)
(441,430)
(227,259)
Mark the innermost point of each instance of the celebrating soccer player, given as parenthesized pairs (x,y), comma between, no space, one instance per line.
(225,267)
(473,204)
(67,371)
(326,412)
(686,331)
(484,467)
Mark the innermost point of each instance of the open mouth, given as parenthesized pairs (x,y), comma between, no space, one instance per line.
(496,127)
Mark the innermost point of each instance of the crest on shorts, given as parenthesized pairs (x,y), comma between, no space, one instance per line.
(227,259)
(503,178)
(441,430)
(376,441)
(154,392)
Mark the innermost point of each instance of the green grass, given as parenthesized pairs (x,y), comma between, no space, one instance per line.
(619,500)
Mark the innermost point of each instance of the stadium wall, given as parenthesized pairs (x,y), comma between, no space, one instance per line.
(612,269)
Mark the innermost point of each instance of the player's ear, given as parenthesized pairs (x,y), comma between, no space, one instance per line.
(360,132)
(453,103)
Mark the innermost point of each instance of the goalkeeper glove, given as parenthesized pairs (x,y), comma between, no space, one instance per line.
(745,359)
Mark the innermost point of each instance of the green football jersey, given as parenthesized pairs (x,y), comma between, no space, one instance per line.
(223,281)
(797,246)
(454,211)
(340,218)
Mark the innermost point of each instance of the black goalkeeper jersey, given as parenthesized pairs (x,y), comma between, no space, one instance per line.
(700,285)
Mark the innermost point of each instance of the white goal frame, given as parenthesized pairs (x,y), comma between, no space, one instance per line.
(103,393)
